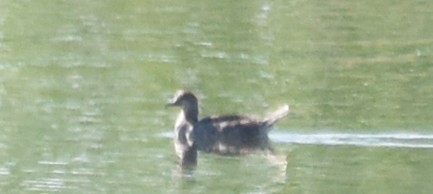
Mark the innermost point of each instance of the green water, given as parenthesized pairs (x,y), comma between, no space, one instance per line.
(83,83)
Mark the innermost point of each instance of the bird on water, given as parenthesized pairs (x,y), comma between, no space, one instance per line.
(221,134)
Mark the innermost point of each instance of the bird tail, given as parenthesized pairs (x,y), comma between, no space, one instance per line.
(273,117)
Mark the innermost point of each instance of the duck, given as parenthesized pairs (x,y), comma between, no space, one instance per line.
(220,134)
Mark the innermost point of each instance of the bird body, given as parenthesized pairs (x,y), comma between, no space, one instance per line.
(221,134)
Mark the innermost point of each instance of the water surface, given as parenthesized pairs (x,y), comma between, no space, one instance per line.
(83,83)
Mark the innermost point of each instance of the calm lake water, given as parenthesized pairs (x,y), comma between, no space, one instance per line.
(83,84)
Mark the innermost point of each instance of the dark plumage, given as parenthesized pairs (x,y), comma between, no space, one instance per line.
(227,134)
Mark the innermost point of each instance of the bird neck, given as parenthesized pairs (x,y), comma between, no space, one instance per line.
(190,113)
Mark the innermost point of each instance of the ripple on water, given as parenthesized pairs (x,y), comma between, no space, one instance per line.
(405,140)
(4,171)
(44,184)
